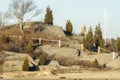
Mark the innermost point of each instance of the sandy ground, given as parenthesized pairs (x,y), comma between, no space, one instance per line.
(84,75)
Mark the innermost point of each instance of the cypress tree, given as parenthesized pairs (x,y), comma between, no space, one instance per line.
(25,66)
(69,27)
(118,44)
(88,39)
(48,17)
(42,59)
(83,31)
(98,37)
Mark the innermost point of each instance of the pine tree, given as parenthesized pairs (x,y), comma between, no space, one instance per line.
(118,44)
(42,59)
(98,37)
(83,31)
(84,41)
(48,17)
(88,39)
(69,27)
(25,66)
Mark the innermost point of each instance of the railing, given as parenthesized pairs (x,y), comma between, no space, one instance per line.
(40,40)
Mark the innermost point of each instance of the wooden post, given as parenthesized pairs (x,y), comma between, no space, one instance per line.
(40,41)
(113,55)
(98,49)
(59,43)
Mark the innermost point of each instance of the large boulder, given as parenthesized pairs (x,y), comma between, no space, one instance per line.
(104,58)
(55,31)
(60,52)
(115,64)
(54,63)
(14,61)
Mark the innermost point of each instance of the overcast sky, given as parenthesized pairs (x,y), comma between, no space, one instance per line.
(80,12)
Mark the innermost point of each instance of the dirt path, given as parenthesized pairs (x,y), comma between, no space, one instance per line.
(84,75)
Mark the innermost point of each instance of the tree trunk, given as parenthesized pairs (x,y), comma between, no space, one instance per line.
(21,26)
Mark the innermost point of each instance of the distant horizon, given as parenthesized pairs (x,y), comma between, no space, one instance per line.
(81,13)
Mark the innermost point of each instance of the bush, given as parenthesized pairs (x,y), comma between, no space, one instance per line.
(1,57)
(24,40)
(29,48)
(42,59)
(14,46)
(68,62)
(25,66)
(95,63)
(3,39)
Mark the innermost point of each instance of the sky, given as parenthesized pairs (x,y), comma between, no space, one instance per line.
(80,12)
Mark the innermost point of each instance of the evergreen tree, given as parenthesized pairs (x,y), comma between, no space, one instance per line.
(118,44)
(42,59)
(88,39)
(25,66)
(48,17)
(83,31)
(98,36)
(29,48)
(84,41)
(69,27)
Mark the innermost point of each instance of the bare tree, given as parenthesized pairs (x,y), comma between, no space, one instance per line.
(1,19)
(22,9)
(4,18)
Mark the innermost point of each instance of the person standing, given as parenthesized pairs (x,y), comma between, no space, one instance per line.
(78,52)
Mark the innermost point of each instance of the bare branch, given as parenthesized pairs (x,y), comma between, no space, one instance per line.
(20,9)
(4,18)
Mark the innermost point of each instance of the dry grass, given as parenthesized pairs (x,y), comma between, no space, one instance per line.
(14,30)
(1,61)
(68,62)
(16,45)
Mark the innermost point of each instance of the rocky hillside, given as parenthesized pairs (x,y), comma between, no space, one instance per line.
(35,29)
(1,61)
(14,61)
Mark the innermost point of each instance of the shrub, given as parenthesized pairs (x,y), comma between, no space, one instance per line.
(29,48)
(25,66)
(95,63)
(4,39)
(14,46)
(1,57)
(24,40)
(42,59)
(68,62)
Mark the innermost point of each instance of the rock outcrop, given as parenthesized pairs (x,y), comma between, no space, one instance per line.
(56,31)
(115,64)
(14,61)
